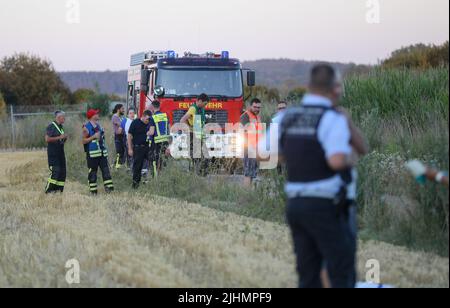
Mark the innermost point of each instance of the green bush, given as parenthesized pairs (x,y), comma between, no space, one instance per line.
(101,102)
(419,56)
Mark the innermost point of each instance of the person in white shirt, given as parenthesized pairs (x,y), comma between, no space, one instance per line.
(126,127)
(319,142)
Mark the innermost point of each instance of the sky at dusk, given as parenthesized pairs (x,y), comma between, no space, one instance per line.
(101,34)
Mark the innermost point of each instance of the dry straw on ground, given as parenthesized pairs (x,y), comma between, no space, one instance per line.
(127,241)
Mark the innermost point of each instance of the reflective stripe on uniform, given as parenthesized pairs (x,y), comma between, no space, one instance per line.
(108,183)
(93,187)
(52,181)
(60,130)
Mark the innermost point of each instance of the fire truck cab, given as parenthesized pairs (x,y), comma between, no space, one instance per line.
(177,82)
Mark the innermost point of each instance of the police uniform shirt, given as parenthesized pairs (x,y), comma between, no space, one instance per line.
(138,130)
(334,136)
(54,149)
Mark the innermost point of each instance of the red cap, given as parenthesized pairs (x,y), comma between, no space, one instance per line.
(91,113)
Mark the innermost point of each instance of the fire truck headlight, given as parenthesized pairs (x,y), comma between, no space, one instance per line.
(240,140)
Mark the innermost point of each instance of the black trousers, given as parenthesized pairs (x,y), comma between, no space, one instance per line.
(322,238)
(141,154)
(99,163)
(58,172)
(119,142)
(157,154)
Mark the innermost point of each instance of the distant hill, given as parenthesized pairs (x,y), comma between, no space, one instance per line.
(270,72)
(107,81)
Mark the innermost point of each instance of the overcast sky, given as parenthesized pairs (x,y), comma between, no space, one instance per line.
(109,31)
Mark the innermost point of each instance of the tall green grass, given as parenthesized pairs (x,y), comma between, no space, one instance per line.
(406,96)
(30,131)
(404,115)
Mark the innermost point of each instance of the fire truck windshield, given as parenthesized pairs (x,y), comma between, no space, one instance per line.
(193,82)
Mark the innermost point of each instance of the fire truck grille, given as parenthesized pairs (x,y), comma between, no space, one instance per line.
(217,117)
(177,115)
(212,116)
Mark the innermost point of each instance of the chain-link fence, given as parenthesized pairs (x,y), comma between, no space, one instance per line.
(23,125)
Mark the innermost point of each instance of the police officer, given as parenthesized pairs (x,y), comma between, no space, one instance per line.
(138,145)
(96,152)
(55,139)
(159,132)
(318,141)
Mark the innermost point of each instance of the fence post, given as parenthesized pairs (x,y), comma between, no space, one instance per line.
(13,130)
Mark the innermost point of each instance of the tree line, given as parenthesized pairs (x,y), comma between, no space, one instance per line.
(419,56)
(29,80)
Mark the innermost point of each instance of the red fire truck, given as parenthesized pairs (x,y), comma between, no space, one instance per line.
(177,81)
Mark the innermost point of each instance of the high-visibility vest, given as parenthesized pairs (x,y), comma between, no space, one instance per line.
(96,148)
(59,129)
(199,122)
(254,129)
(162,127)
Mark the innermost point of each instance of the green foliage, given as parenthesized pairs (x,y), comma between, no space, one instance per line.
(83,95)
(264,93)
(404,114)
(419,56)
(100,101)
(29,80)
(405,95)
(296,95)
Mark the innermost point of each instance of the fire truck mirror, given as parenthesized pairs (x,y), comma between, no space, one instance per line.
(130,90)
(145,79)
(159,91)
(251,78)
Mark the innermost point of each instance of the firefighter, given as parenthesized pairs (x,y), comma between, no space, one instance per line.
(254,130)
(96,153)
(195,118)
(55,138)
(159,133)
(139,145)
(117,118)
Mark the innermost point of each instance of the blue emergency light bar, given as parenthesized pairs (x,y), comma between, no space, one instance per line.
(171,54)
(153,56)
